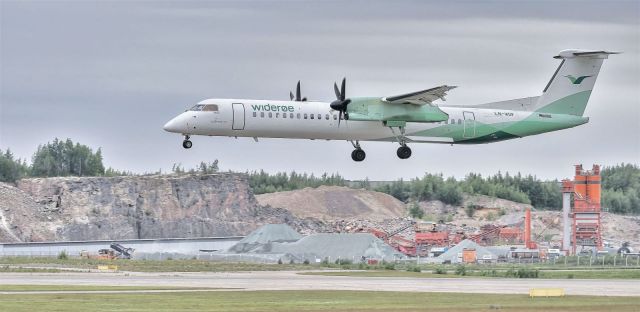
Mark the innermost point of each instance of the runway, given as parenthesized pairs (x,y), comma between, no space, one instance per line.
(290,280)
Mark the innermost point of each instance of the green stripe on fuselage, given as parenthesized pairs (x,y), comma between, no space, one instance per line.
(486,133)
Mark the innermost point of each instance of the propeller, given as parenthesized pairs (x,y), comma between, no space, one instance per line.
(340,104)
(298,97)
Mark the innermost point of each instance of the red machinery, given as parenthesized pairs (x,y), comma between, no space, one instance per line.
(584,214)
(433,238)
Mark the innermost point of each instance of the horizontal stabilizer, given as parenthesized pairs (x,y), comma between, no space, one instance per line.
(585,53)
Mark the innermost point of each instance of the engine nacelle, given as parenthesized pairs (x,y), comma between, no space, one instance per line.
(375,109)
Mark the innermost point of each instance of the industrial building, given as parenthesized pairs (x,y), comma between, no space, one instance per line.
(581,220)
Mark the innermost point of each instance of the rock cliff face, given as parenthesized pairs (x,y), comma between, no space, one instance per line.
(133,207)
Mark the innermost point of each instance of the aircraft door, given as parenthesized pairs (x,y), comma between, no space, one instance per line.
(238,116)
(469,125)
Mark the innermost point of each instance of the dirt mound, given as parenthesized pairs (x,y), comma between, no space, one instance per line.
(335,202)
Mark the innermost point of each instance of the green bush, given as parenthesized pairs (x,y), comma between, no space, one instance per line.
(343,262)
(415,211)
(63,255)
(414,268)
(439,270)
(306,262)
(461,270)
(388,265)
(491,216)
(363,266)
(470,209)
(522,273)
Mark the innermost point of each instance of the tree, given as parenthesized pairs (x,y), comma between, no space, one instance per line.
(11,169)
(621,188)
(415,211)
(60,158)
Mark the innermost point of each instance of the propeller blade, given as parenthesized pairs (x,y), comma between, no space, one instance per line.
(339,118)
(335,89)
(342,93)
(291,95)
(298,91)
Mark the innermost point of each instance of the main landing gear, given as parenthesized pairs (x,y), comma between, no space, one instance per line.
(404,151)
(358,154)
(186,143)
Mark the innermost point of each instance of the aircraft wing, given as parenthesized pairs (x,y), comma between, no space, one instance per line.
(420,97)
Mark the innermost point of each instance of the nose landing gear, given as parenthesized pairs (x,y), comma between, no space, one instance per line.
(358,154)
(186,143)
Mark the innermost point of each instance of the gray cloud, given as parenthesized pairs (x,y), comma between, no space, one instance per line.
(110,74)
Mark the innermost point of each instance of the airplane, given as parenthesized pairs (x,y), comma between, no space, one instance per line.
(403,119)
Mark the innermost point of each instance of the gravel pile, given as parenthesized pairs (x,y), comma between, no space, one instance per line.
(331,246)
(262,238)
(282,240)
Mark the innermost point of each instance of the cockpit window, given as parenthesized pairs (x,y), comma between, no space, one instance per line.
(210,108)
(205,107)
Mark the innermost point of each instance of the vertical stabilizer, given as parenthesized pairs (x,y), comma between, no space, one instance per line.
(570,86)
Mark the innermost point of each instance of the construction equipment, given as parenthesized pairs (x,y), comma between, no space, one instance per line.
(103,254)
(117,251)
(123,252)
(106,254)
(405,246)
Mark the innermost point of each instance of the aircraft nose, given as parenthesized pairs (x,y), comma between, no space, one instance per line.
(172,126)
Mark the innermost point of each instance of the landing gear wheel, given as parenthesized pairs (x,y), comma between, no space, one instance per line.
(187,144)
(358,154)
(404,152)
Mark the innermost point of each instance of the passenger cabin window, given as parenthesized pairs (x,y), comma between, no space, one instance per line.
(210,108)
(291,115)
(326,116)
(319,116)
(284,115)
(335,117)
(459,121)
(305,116)
(311,116)
(262,114)
(277,115)
(270,115)
(298,115)
(255,114)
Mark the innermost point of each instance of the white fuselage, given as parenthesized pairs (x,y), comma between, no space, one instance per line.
(316,120)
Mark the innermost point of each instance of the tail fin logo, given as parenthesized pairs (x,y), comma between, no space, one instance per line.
(575,80)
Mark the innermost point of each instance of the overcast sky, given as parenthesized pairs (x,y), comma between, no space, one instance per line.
(110,73)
